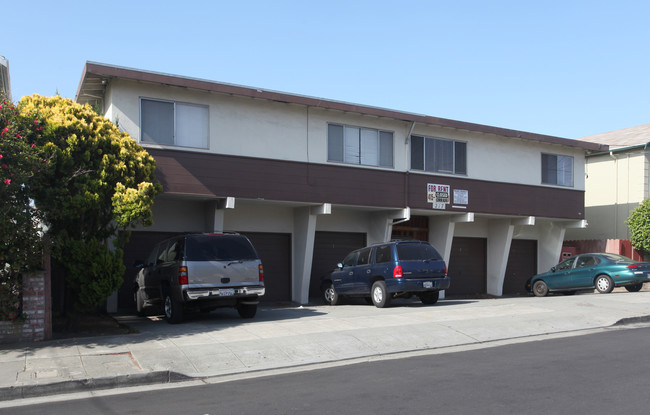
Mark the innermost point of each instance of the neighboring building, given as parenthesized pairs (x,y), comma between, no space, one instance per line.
(309,179)
(617,181)
(5,81)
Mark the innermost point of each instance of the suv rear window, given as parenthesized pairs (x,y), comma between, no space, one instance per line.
(417,252)
(218,248)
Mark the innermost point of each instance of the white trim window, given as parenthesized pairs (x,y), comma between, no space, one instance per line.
(356,145)
(438,155)
(174,123)
(557,170)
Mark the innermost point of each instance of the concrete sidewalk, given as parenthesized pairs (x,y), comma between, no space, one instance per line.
(220,343)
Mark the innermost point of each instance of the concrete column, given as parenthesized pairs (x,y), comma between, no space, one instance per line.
(441,235)
(549,246)
(215,212)
(498,248)
(381,225)
(304,232)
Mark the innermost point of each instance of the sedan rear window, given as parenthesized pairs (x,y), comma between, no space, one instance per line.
(417,252)
(218,248)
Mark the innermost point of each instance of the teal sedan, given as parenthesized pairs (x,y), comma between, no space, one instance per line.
(601,271)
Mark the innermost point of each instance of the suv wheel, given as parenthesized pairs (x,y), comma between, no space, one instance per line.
(139,302)
(330,296)
(380,298)
(246,310)
(173,310)
(430,297)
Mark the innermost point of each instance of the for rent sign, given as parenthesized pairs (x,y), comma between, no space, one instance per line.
(438,195)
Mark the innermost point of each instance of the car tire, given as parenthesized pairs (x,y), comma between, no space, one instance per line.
(634,288)
(330,296)
(173,310)
(430,297)
(138,296)
(246,310)
(604,284)
(540,289)
(379,295)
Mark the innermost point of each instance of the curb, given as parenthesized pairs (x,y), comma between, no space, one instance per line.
(89,385)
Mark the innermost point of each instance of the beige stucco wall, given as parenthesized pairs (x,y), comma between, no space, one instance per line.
(266,129)
(615,185)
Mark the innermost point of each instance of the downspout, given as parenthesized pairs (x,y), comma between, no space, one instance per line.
(408,167)
(611,154)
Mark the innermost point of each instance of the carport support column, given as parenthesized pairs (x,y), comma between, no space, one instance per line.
(215,213)
(304,233)
(381,225)
(441,234)
(498,248)
(549,248)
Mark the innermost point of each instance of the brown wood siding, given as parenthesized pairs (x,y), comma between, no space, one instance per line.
(216,175)
(522,264)
(274,250)
(467,268)
(330,248)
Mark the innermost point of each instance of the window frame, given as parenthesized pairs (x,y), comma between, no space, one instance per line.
(560,173)
(337,144)
(430,162)
(175,120)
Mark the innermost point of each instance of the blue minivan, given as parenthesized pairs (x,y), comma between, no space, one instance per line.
(385,271)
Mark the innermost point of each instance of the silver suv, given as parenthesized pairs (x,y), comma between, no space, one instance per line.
(202,272)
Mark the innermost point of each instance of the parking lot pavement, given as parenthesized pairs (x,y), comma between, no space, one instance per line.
(220,344)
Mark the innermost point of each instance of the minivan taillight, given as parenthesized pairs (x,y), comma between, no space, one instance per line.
(261,273)
(397,272)
(182,276)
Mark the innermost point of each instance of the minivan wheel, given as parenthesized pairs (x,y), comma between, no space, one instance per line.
(246,310)
(430,297)
(380,298)
(173,310)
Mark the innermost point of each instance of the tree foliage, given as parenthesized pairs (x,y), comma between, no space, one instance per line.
(639,224)
(99,182)
(21,160)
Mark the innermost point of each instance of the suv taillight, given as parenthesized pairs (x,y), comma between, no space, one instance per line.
(182,276)
(261,273)
(397,272)
(445,270)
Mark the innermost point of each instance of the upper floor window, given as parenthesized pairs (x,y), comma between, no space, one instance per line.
(557,169)
(438,155)
(174,123)
(359,145)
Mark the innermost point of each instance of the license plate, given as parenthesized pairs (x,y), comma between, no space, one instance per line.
(427,284)
(227,292)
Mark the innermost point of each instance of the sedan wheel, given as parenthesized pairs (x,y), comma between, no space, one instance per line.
(634,288)
(540,289)
(604,284)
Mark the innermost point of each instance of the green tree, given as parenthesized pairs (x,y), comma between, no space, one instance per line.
(100,184)
(21,160)
(639,224)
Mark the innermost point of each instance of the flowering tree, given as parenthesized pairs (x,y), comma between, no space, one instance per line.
(99,185)
(21,160)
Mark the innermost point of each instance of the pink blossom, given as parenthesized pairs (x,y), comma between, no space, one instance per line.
(18,135)
(7,181)
(33,145)
(4,166)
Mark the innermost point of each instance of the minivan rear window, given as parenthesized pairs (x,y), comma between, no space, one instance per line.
(417,252)
(218,248)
